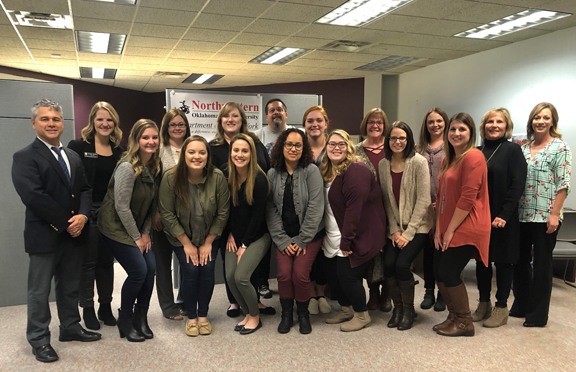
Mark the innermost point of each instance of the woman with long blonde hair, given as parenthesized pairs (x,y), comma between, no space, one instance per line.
(125,221)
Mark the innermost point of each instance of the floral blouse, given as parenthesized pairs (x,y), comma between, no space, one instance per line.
(548,173)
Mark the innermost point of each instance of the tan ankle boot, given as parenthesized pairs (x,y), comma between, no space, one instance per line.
(343,315)
(483,311)
(498,318)
(359,321)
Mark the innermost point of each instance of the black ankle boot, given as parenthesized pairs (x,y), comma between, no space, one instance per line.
(90,320)
(126,328)
(303,317)
(141,322)
(396,317)
(429,300)
(287,320)
(105,315)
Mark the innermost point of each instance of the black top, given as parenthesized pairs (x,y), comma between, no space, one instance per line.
(289,217)
(98,168)
(506,182)
(247,223)
(220,152)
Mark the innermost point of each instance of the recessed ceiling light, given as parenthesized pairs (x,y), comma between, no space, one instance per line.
(128,2)
(279,55)
(55,55)
(202,78)
(99,42)
(515,22)
(97,73)
(357,13)
(387,63)
(34,19)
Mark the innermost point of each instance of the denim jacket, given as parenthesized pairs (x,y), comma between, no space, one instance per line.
(308,202)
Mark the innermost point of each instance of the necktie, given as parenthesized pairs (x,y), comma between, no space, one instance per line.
(62,162)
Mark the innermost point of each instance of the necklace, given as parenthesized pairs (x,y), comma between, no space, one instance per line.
(492,153)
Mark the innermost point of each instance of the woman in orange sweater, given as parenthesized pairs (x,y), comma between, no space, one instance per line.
(463,221)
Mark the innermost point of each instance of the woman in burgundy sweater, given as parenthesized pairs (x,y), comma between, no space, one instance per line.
(462,222)
(356,200)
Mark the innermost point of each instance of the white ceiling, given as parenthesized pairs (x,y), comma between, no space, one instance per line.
(221,36)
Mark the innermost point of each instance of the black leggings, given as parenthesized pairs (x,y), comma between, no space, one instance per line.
(346,282)
(318,272)
(504,275)
(429,279)
(397,261)
(448,265)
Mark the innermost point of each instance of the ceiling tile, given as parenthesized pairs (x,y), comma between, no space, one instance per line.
(201,34)
(524,3)
(101,25)
(143,60)
(7,31)
(484,13)
(222,22)
(202,46)
(56,62)
(330,32)
(359,57)
(162,31)
(324,55)
(130,50)
(419,25)
(101,10)
(55,46)
(567,6)
(189,54)
(522,35)
(182,62)
(223,64)
(189,5)
(433,8)
(244,49)
(258,39)
(232,57)
(99,81)
(344,65)
(150,42)
(99,57)
(53,6)
(308,63)
(139,66)
(165,17)
(275,27)
(296,12)
(303,42)
(100,64)
(43,33)
(245,8)
(21,65)
(43,53)
(134,74)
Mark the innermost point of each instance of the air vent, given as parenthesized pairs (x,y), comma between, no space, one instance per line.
(35,19)
(345,46)
(169,74)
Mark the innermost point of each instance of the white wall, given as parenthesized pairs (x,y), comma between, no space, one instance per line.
(516,76)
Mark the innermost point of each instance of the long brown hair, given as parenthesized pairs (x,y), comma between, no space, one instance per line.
(253,170)
(133,150)
(467,120)
(89,131)
(181,169)
(425,138)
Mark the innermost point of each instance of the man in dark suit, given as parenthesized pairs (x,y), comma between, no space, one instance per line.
(51,182)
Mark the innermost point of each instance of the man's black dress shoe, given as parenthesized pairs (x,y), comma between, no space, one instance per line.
(45,353)
(81,335)
(247,331)
(531,325)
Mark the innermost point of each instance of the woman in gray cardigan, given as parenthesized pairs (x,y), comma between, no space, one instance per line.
(294,217)
(405,186)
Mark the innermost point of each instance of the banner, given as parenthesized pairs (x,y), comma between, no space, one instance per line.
(202,108)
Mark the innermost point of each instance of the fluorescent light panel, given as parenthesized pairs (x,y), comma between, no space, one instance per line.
(97,73)
(516,22)
(99,42)
(279,55)
(202,78)
(34,19)
(357,13)
(388,63)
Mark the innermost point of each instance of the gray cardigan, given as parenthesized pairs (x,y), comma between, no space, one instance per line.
(414,214)
(167,158)
(308,189)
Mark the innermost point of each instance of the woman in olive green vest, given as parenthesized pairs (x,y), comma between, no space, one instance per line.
(194,206)
(125,219)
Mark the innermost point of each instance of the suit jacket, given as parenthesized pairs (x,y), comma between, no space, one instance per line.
(49,198)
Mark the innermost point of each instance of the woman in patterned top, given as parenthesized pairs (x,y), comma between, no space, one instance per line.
(547,185)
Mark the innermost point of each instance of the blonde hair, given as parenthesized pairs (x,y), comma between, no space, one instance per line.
(467,120)
(225,110)
(89,131)
(505,115)
(133,151)
(372,113)
(554,132)
(253,170)
(327,170)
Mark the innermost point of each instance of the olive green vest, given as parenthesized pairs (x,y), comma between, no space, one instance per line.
(142,205)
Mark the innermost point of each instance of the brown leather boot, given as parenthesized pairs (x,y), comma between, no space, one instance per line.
(396,297)
(385,302)
(462,324)
(374,296)
(408,313)
(448,302)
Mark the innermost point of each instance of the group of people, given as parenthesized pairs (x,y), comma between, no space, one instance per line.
(332,213)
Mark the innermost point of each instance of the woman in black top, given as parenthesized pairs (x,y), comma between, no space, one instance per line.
(231,121)
(99,148)
(248,240)
(506,181)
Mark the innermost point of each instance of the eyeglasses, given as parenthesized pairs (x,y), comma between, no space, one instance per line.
(176,125)
(340,145)
(375,122)
(394,139)
(290,145)
(277,109)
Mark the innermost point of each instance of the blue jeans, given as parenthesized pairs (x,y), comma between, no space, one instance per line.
(197,283)
(141,268)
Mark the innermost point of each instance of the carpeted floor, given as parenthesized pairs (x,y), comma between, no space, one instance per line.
(377,348)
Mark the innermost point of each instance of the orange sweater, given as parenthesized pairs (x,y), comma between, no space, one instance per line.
(466,187)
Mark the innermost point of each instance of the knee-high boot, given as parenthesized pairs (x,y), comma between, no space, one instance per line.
(462,324)
(396,300)
(448,302)
(408,313)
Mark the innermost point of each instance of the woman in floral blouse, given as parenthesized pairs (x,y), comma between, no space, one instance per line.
(547,185)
